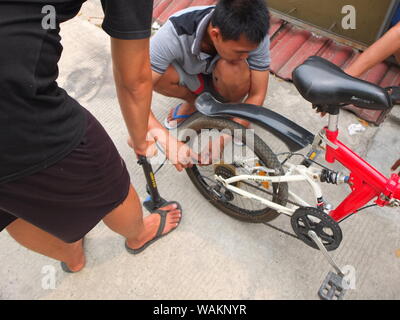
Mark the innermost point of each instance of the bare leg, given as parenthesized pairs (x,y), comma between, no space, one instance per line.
(230,85)
(168,85)
(44,243)
(232,81)
(127,220)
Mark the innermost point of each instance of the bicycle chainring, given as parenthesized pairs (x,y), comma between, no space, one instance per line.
(328,230)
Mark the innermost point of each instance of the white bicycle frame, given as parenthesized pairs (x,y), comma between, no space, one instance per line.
(295,173)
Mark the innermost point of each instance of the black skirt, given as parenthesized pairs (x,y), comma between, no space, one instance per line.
(69,198)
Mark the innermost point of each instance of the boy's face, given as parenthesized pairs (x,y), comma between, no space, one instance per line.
(232,50)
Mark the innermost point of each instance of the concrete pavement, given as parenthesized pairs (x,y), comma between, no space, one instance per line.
(210,255)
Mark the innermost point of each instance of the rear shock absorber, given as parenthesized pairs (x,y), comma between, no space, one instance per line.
(333,177)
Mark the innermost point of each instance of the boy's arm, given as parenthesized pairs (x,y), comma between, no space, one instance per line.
(386,46)
(177,152)
(258,87)
(259,62)
(258,91)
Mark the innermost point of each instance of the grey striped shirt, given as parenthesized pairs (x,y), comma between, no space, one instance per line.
(179,40)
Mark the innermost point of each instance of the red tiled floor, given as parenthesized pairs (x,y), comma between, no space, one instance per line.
(286,47)
(174,6)
(376,74)
(156,3)
(309,48)
(392,77)
(351,59)
(337,54)
(159,7)
(203,2)
(276,24)
(277,36)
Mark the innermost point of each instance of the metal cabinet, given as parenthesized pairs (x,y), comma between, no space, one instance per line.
(372,17)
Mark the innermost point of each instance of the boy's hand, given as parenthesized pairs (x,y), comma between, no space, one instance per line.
(179,154)
(213,152)
(394,93)
(319,109)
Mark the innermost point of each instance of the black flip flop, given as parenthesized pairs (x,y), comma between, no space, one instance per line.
(159,235)
(64,266)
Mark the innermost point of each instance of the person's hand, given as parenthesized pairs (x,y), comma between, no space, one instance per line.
(396,165)
(319,110)
(147,148)
(214,150)
(394,93)
(179,154)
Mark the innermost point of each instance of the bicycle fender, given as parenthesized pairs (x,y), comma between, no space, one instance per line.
(294,136)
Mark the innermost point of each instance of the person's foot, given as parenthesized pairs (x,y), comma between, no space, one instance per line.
(78,260)
(152,223)
(185,109)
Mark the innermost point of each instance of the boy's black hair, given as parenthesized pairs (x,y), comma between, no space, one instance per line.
(237,17)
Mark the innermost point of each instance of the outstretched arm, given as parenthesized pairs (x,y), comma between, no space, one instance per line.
(386,46)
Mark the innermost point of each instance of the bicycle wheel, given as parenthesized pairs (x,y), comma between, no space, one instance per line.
(256,153)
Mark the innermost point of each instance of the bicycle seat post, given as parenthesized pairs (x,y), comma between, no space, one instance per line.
(333,122)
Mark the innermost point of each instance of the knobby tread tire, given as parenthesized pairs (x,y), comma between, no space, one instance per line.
(263,152)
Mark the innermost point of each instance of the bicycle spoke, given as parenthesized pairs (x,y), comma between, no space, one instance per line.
(307,222)
(207,174)
(229,168)
(323,235)
(328,239)
(303,230)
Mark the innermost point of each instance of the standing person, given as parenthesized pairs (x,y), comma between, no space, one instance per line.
(60,173)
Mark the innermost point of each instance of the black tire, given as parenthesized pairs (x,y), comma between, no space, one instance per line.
(261,150)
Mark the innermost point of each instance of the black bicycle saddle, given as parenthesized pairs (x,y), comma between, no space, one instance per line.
(323,83)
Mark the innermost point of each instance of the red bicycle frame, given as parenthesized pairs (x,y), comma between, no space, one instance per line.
(365,181)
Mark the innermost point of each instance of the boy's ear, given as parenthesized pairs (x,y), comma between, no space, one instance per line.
(215,33)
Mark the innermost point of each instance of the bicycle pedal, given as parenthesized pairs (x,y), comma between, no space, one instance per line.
(332,288)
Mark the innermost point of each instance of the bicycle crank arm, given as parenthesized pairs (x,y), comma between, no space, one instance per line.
(334,285)
(321,247)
